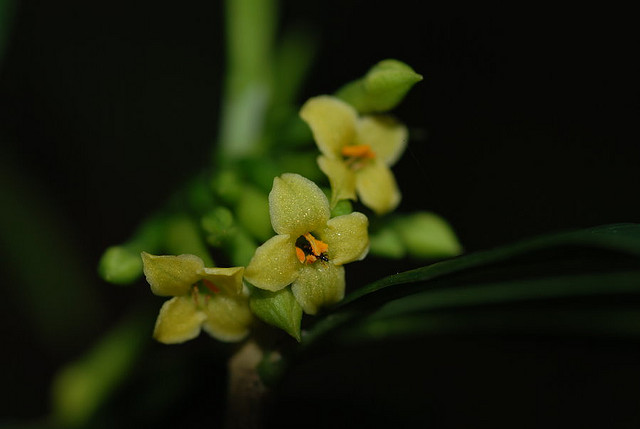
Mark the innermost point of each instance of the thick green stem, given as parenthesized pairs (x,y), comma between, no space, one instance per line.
(250,33)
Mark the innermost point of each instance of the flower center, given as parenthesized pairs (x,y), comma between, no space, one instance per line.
(356,156)
(309,249)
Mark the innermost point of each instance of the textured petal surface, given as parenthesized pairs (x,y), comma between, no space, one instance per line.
(297,205)
(228,318)
(179,321)
(377,187)
(347,238)
(319,284)
(228,280)
(274,264)
(387,137)
(341,178)
(171,275)
(332,122)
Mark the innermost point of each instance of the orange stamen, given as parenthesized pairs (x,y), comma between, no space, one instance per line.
(300,254)
(209,285)
(362,151)
(317,246)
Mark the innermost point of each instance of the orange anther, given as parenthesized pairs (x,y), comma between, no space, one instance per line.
(209,285)
(362,151)
(300,254)
(317,247)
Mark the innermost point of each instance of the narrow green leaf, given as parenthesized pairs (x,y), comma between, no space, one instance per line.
(382,88)
(279,309)
(617,237)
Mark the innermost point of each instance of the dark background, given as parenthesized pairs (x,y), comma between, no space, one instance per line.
(525,123)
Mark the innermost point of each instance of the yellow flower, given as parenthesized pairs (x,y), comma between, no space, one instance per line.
(310,248)
(356,151)
(203,298)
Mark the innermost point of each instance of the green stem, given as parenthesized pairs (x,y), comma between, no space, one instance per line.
(250,33)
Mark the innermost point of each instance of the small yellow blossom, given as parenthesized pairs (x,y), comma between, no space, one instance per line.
(310,248)
(203,298)
(357,152)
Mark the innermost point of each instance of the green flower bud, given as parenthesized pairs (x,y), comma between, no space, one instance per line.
(120,265)
(219,224)
(427,235)
(343,207)
(183,235)
(253,213)
(387,243)
(227,184)
(381,89)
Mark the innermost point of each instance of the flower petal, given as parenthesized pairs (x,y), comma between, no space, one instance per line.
(341,178)
(171,275)
(297,205)
(332,121)
(347,238)
(377,187)
(179,320)
(228,280)
(274,265)
(386,136)
(228,318)
(319,284)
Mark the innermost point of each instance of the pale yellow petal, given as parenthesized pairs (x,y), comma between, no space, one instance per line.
(227,280)
(347,238)
(297,205)
(228,318)
(274,265)
(179,320)
(377,187)
(171,275)
(341,178)
(332,122)
(387,137)
(320,284)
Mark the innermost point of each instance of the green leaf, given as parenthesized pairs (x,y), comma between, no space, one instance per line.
(600,261)
(82,387)
(617,237)
(279,309)
(382,88)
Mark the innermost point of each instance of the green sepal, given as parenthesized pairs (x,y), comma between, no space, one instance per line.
(120,265)
(343,207)
(279,309)
(381,89)
(427,235)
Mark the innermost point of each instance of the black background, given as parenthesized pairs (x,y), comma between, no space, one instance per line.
(526,122)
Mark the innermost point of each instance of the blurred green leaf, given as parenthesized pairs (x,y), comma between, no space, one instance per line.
(81,387)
